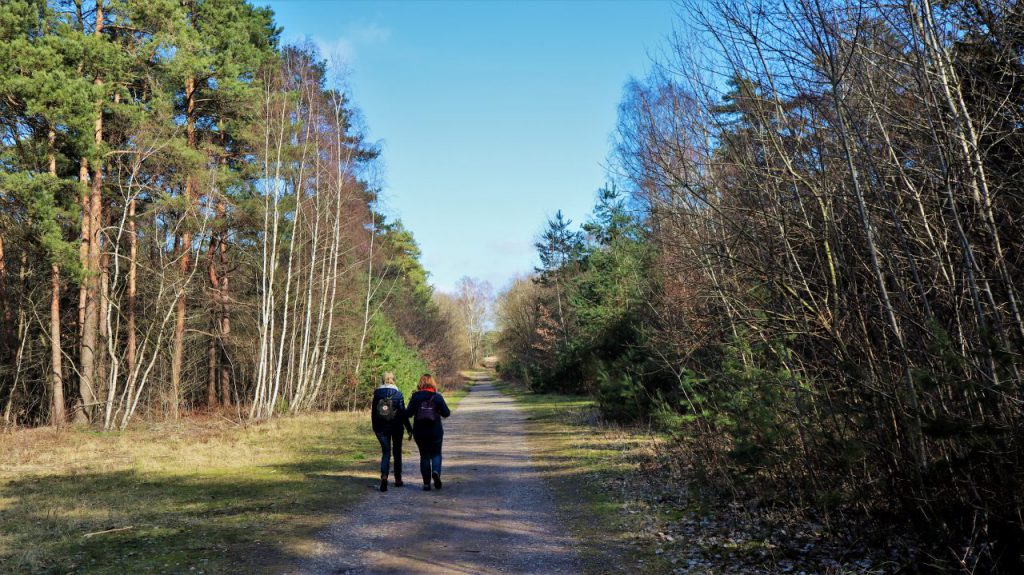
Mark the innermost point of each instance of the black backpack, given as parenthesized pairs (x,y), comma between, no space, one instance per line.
(387,408)
(426,413)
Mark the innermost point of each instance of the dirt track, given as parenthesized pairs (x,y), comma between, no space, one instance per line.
(494,515)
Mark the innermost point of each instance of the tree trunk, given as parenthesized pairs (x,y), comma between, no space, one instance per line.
(90,322)
(22,340)
(185,247)
(212,343)
(83,244)
(131,344)
(179,327)
(369,296)
(85,350)
(57,416)
(5,310)
(211,386)
(225,315)
(103,359)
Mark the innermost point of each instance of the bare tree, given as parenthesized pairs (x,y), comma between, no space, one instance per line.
(474,298)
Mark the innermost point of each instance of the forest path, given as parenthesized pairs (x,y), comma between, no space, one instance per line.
(494,515)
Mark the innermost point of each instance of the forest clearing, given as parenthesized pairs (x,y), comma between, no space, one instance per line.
(734,288)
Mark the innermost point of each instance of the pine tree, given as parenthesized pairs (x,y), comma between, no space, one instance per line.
(558,248)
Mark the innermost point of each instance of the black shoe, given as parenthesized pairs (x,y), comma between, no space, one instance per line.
(437,480)
(383,483)
(426,487)
(398,482)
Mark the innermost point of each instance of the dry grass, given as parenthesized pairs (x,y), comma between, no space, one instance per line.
(591,468)
(636,506)
(200,495)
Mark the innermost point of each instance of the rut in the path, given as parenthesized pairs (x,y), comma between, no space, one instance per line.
(494,515)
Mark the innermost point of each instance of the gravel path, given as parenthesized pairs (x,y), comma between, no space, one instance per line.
(494,515)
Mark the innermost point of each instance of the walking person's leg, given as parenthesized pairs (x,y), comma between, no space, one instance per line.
(385,459)
(435,464)
(424,447)
(396,447)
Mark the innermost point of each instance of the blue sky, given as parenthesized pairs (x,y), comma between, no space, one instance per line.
(492,115)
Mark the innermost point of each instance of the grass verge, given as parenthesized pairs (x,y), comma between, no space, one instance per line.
(637,505)
(201,495)
(590,467)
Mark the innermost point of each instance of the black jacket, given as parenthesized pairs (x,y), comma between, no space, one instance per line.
(395,425)
(422,430)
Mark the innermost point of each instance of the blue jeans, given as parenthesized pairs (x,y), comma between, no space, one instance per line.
(430,458)
(389,444)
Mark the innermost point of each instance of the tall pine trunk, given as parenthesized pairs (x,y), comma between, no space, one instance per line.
(90,322)
(83,244)
(57,416)
(102,358)
(213,367)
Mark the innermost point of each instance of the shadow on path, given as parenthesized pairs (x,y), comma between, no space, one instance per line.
(494,515)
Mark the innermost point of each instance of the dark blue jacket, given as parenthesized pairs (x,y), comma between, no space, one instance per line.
(395,425)
(424,431)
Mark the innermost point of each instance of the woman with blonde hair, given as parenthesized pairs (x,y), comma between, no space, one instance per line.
(427,407)
(388,418)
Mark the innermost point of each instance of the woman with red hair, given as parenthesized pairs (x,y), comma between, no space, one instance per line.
(426,408)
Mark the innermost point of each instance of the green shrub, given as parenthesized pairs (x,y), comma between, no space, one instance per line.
(387,351)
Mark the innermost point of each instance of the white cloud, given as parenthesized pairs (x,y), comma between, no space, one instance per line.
(344,49)
(337,50)
(370,34)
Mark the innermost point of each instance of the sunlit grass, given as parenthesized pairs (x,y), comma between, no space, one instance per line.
(585,463)
(194,496)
